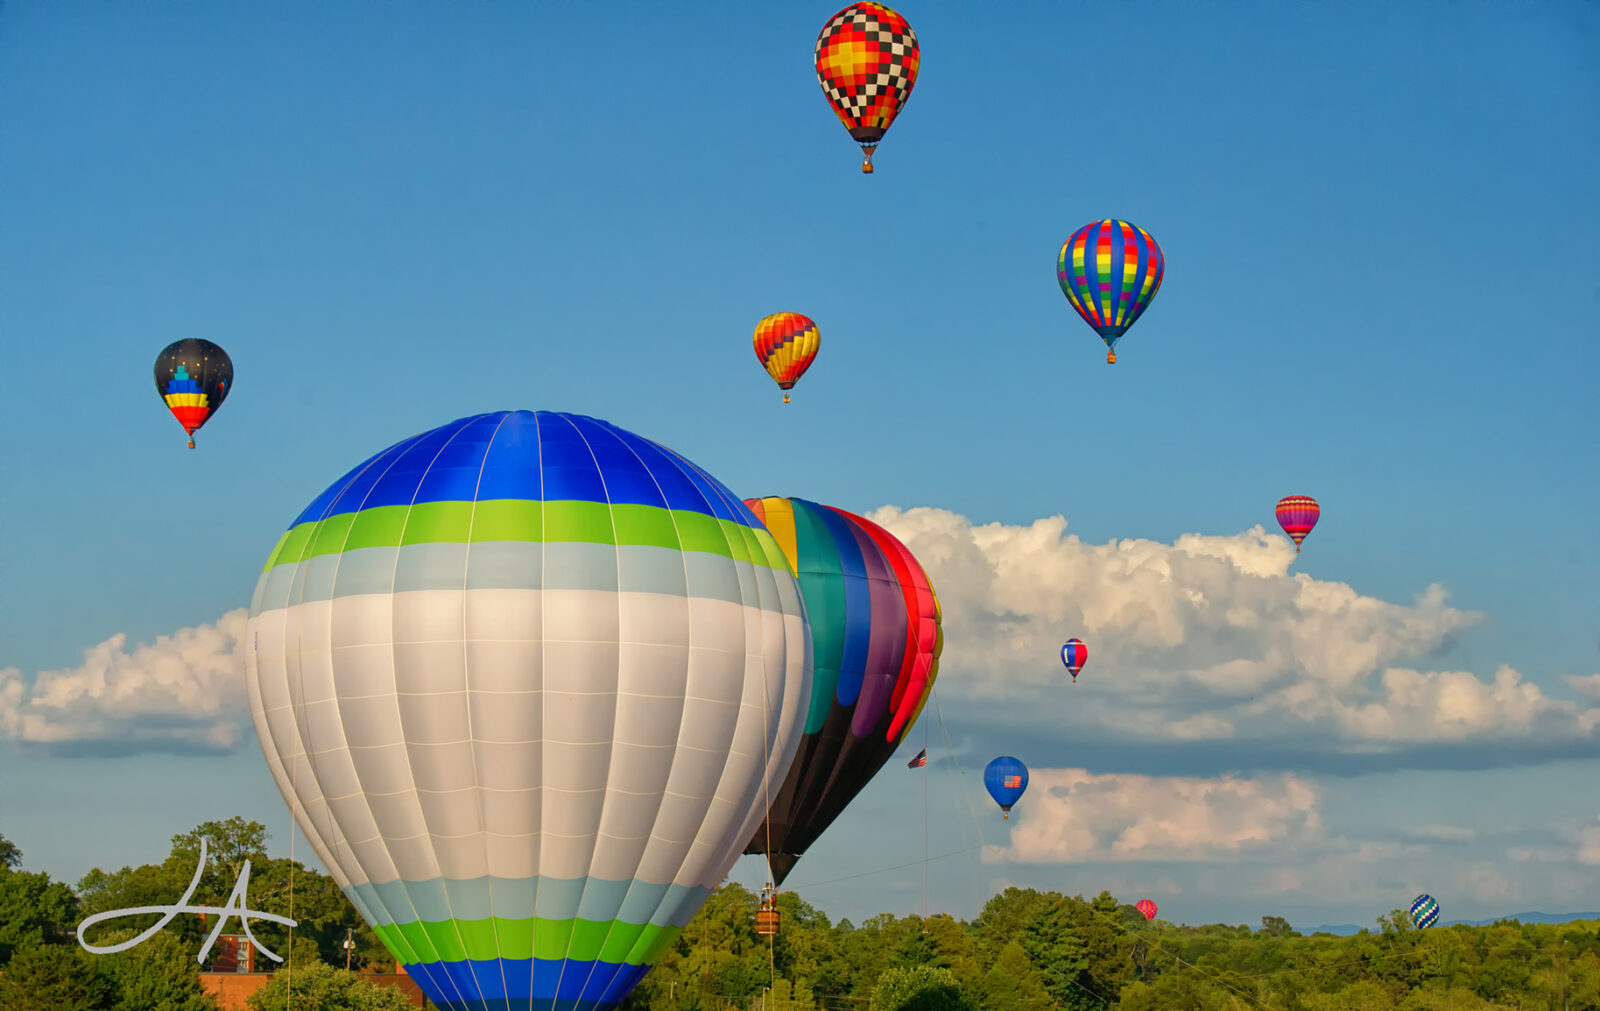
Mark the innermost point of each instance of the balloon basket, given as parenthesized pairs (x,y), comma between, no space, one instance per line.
(767,914)
(1111,358)
(866,161)
(786,398)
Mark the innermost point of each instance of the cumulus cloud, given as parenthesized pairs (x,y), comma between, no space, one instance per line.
(1076,816)
(184,692)
(1587,685)
(1212,638)
(1210,642)
(1238,847)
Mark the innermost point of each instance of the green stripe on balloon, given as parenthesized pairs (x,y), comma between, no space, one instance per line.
(822,589)
(529,521)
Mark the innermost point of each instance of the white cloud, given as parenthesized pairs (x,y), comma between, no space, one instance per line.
(185,691)
(1587,685)
(1447,833)
(1072,815)
(1211,638)
(1589,845)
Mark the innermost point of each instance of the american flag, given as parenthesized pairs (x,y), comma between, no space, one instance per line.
(919,761)
(1012,782)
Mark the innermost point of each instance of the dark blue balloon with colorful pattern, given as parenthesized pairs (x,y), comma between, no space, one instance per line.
(1424,911)
(1006,778)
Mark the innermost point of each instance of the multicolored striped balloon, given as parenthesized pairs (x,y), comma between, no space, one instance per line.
(522,680)
(1074,654)
(1297,515)
(1424,911)
(786,344)
(1110,270)
(1146,908)
(876,641)
(193,377)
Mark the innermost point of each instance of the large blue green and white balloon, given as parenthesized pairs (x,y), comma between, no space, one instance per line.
(521,680)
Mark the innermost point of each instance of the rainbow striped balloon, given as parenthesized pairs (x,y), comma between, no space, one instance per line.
(876,641)
(1297,515)
(1110,270)
(522,680)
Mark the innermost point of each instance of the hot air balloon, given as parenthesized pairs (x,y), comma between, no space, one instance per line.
(1297,515)
(521,680)
(1074,654)
(1146,908)
(1424,911)
(1006,778)
(193,377)
(876,642)
(786,344)
(867,59)
(1110,271)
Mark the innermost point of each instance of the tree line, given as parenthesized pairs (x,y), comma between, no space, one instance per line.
(1034,950)
(1026,950)
(43,968)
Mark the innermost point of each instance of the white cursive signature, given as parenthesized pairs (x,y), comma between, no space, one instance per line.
(235,907)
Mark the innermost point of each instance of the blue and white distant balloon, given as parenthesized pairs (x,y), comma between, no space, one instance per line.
(1424,911)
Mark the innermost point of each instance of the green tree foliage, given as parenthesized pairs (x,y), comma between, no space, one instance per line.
(56,977)
(1010,984)
(315,986)
(159,974)
(33,910)
(918,988)
(1056,952)
(1025,951)
(10,856)
(281,886)
(1029,951)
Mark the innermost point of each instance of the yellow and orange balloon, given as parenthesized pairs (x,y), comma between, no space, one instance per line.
(786,344)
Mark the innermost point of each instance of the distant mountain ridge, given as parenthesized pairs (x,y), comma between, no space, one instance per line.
(1346,929)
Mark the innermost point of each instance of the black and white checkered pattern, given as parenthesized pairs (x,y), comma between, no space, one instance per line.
(855,99)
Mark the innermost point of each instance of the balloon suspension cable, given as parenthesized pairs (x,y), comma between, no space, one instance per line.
(866,161)
(769,893)
(925,860)
(288,964)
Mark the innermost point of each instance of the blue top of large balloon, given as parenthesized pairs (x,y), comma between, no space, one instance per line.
(531,456)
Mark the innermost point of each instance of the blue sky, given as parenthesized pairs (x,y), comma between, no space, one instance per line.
(1381,290)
